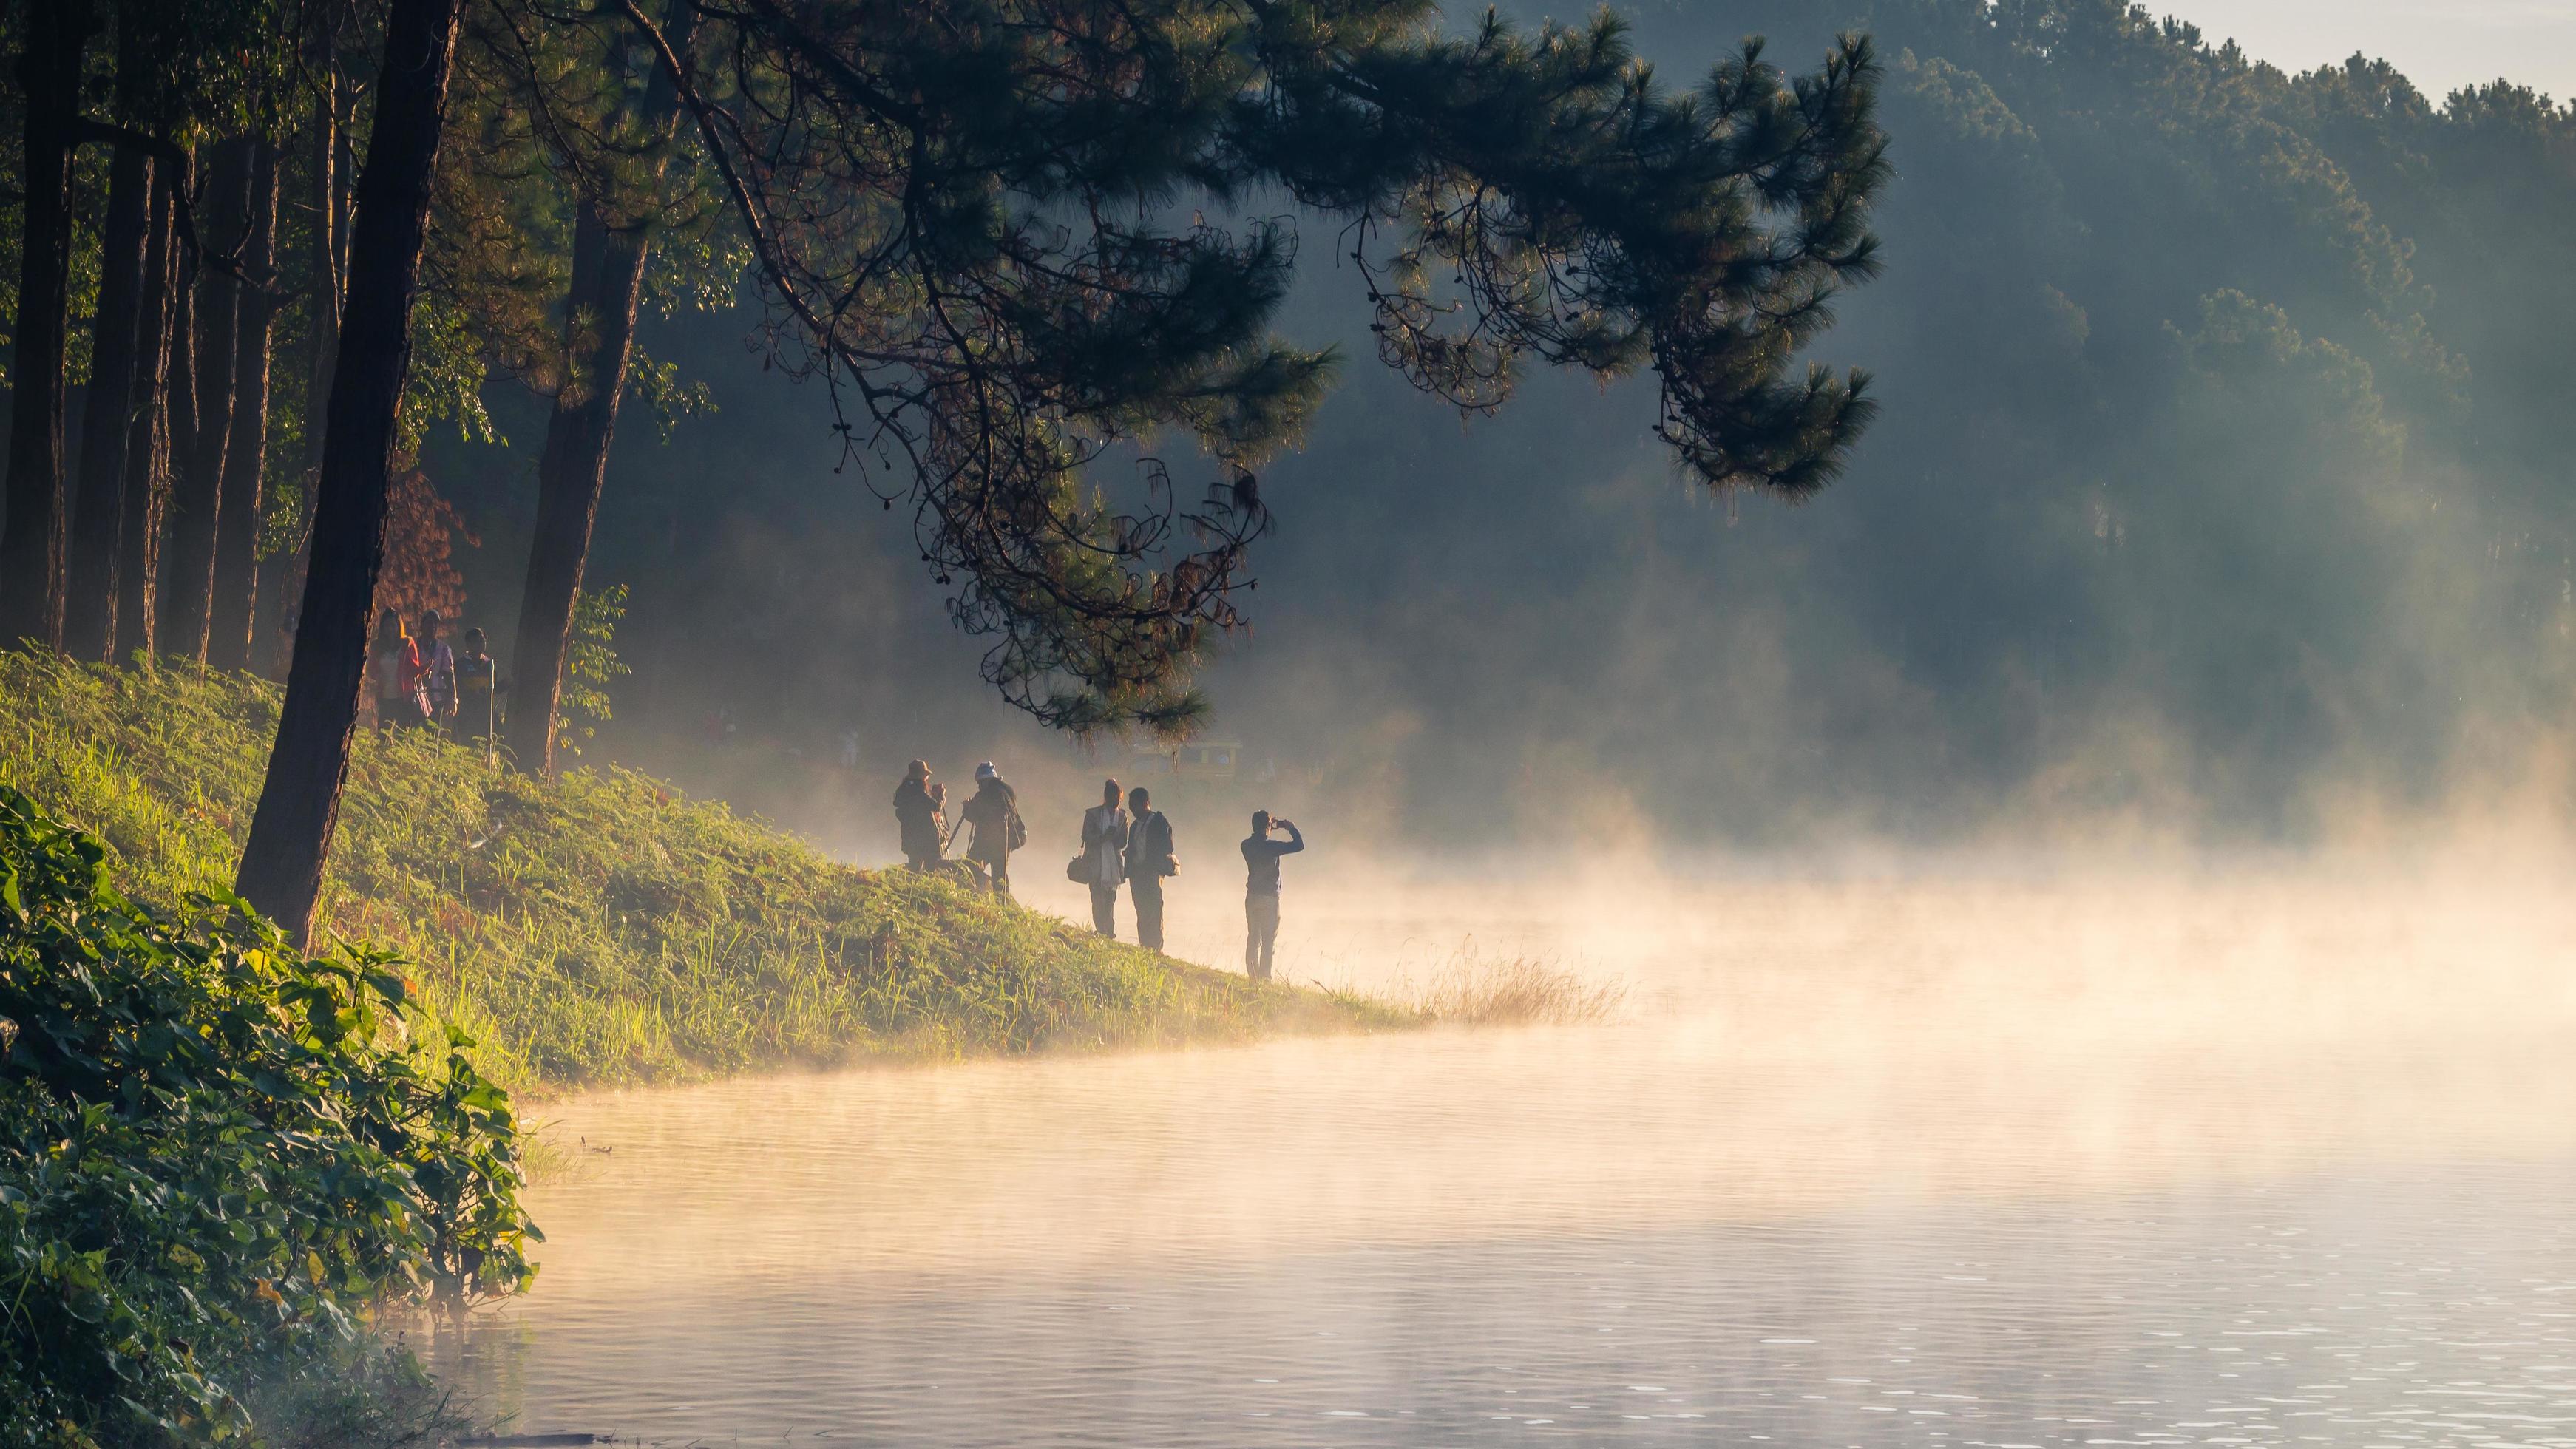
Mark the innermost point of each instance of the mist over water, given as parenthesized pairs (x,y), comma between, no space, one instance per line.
(2002,1154)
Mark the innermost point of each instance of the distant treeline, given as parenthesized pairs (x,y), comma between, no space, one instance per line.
(2224,467)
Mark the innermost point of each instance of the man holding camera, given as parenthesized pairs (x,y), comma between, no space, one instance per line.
(1261,891)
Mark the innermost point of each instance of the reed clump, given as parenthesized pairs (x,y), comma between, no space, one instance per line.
(602,928)
(1473,988)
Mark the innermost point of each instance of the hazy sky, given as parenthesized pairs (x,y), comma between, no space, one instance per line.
(2440,44)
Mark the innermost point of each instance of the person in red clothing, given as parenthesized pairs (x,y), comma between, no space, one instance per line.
(393,665)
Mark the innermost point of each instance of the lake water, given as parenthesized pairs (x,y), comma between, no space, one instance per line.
(2241,1158)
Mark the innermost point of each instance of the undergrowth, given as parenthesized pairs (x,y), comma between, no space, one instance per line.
(601,928)
(218,1158)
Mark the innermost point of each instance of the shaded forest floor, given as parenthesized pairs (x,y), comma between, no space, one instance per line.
(602,929)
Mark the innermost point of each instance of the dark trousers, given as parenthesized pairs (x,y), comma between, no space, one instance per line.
(1148,892)
(1260,934)
(997,869)
(1104,909)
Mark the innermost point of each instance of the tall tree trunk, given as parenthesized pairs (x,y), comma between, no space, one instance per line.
(229,615)
(147,437)
(89,620)
(32,542)
(607,282)
(196,498)
(299,802)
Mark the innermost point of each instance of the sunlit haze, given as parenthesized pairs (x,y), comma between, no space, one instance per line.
(2441,45)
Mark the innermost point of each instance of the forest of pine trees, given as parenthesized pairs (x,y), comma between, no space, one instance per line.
(959,221)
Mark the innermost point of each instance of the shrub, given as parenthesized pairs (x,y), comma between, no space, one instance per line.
(216,1153)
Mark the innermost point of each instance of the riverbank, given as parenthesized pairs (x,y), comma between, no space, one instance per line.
(603,929)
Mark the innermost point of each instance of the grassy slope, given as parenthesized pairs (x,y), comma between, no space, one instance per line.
(602,929)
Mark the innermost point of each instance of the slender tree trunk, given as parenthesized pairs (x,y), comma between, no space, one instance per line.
(282,577)
(178,393)
(147,437)
(89,621)
(329,202)
(571,473)
(228,638)
(196,499)
(344,174)
(33,541)
(290,835)
(607,282)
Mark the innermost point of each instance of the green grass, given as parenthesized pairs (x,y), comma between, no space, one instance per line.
(602,929)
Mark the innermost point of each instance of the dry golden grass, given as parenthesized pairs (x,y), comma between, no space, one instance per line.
(1472,988)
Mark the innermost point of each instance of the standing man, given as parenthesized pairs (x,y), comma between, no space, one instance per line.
(1104,845)
(995,813)
(1149,860)
(1261,891)
(475,674)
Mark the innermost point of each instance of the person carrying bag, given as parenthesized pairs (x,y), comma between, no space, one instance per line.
(993,813)
(1102,864)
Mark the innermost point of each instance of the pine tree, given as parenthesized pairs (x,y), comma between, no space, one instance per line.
(290,834)
(968,216)
(623,202)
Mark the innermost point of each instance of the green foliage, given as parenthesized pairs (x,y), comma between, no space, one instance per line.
(591,665)
(445,380)
(968,215)
(656,386)
(600,928)
(284,511)
(215,1152)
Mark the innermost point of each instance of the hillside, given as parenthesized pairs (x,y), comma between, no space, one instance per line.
(602,929)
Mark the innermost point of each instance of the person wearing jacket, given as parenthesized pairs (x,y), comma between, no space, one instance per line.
(1103,863)
(1149,861)
(916,816)
(478,718)
(994,812)
(1261,891)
